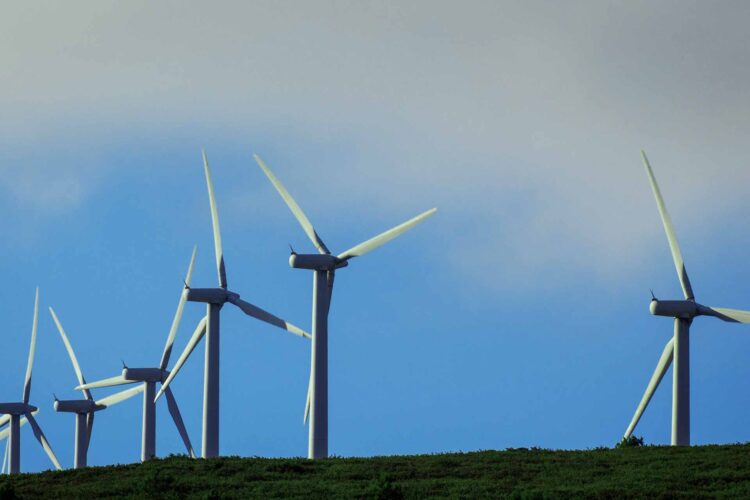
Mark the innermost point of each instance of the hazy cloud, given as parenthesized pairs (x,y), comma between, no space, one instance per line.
(524,117)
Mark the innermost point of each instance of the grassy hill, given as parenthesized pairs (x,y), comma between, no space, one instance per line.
(653,472)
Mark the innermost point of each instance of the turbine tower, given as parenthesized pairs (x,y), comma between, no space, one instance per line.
(4,434)
(149,377)
(215,298)
(324,266)
(84,409)
(14,412)
(677,350)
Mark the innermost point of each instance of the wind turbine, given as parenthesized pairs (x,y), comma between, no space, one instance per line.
(13,412)
(84,409)
(677,350)
(149,378)
(215,298)
(324,266)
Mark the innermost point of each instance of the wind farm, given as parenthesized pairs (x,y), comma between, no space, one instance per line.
(374,250)
(324,266)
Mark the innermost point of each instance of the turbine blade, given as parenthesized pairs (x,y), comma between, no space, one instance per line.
(89,429)
(32,348)
(258,313)
(174,410)
(71,353)
(177,316)
(4,419)
(294,207)
(43,440)
(215,223)
(661,369)
(679,264)
(309,401)
(5,456)
(731,315)
(330,276)
(119,397)
(200,330)
(383,238)
(107,382)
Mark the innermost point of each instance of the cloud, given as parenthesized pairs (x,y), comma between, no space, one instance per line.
(49,173)
(42,192)
(524,120)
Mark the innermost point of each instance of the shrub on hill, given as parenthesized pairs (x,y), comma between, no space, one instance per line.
(631,442)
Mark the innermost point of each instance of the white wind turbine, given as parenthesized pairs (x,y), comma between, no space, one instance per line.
(215,298)
(677,350)
(14,413)
(149,377)
(84,409)
(324,266)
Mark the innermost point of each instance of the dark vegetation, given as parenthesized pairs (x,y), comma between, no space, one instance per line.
(626,472)
(631,442)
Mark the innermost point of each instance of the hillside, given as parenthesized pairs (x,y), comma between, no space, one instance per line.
(635,472)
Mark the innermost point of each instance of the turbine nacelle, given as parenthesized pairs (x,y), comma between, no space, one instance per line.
(211,295)
(689,309)
(76,406)
(16,408)
(316,262)
(684,309)
(145,374)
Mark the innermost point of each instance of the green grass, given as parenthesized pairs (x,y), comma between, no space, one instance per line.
(653,472)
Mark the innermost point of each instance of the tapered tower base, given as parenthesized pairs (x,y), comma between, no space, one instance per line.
(318,437)
(210,440)
(681,384)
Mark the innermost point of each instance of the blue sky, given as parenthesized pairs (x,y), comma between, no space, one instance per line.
(517,316)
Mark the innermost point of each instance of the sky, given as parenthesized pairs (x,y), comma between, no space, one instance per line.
(517,316)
